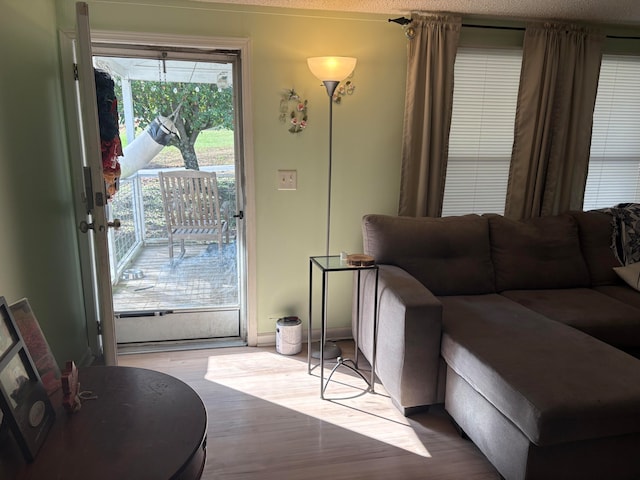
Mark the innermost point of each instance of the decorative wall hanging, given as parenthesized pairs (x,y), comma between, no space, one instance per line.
(346,88)
(294,110)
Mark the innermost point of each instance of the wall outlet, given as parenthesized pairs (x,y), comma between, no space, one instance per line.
(287,179)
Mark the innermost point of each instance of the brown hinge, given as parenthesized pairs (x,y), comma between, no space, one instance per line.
(75,72)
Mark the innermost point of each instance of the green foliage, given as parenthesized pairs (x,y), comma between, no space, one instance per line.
(201,105)
(195,106)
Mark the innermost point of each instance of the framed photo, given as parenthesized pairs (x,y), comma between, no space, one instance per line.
(37,345)
(8,337)
(25,405)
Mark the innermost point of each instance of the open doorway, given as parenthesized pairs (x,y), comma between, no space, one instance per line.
(179,110)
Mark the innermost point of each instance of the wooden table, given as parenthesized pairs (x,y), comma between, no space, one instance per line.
(143,425)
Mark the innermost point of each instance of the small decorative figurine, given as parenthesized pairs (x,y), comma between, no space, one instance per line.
(70,388)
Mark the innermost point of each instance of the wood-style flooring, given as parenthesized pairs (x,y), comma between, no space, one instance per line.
(267,421)
(203,277)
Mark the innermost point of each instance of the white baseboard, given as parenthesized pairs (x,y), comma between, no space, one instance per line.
(340,333)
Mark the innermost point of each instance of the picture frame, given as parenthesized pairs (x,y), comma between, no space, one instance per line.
(24,402)
(37,345)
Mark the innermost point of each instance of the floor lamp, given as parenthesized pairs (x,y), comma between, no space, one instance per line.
(330,71)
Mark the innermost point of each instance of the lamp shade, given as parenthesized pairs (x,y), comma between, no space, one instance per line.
(331,68)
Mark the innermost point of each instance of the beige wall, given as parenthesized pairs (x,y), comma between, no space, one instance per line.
(38,243)
(367,130)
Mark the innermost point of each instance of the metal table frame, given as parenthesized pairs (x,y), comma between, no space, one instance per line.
(328,264)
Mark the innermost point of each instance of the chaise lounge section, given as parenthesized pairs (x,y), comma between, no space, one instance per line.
(521,329)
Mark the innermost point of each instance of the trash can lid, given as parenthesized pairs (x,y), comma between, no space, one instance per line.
(288,321)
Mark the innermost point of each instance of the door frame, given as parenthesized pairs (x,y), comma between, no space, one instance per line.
(248,322)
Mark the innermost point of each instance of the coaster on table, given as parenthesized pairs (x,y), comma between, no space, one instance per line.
(360,260)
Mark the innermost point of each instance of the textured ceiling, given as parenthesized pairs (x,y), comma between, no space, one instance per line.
(625,12)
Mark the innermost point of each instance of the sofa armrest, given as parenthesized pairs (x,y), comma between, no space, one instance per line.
(409,331)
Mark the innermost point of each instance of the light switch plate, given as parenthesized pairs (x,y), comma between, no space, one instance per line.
(287,179)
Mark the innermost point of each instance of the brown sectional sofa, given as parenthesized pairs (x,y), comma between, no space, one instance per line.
(523,329)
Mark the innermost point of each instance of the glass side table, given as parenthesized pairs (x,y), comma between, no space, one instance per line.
(328,264)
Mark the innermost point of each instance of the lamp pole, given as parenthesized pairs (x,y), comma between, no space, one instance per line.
(331,86)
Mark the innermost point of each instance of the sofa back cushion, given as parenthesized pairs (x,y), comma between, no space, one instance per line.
(449,256)
(537,253)
(596,239)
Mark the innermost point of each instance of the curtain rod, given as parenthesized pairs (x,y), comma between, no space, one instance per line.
(405,21)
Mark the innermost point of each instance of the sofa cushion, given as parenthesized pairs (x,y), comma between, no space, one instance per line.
(538,253)
(621,292)
(596,314)
(555,383)
(596,240)
(449,255)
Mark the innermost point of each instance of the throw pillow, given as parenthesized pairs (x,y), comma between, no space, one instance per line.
(630,274)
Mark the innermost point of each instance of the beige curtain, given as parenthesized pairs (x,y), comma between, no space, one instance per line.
(428,102)
(558,85)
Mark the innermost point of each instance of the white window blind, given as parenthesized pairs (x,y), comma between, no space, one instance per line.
(484,107)
(614,164)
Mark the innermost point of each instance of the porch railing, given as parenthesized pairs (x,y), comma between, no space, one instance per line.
(138,206)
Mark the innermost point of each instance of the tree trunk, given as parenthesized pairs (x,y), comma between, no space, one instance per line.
(185,144)
(189,156)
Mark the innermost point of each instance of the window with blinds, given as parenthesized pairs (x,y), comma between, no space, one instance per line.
(484,108)
(614,164)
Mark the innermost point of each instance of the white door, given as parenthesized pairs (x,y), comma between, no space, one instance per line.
(96,223)
(93,209)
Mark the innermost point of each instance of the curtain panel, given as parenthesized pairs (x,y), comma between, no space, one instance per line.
(558,86)
(427,119)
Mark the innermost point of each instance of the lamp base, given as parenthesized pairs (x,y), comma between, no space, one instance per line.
(331,350)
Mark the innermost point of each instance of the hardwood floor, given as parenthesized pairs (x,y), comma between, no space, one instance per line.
(267,421)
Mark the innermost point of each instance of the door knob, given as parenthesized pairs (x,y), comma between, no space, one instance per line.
(85,227)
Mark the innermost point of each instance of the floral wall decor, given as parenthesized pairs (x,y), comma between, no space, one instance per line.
(293,111)
(345,88)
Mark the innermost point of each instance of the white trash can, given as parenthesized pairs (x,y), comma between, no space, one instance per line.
(289,335)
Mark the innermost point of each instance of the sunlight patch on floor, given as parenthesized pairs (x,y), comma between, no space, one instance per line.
(293,388)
